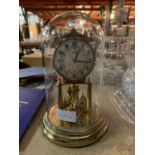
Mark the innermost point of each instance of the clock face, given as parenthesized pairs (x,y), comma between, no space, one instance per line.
(74,59)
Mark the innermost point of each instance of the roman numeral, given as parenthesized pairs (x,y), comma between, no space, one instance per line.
(82,46)
(74,44)
(66,46)
(61,52)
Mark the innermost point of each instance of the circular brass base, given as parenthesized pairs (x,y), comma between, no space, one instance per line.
(77,137)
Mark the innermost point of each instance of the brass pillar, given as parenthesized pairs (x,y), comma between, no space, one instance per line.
(89,104)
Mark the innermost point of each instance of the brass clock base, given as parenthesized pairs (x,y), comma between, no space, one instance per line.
(74,136)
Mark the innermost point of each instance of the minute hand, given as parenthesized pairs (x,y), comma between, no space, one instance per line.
(82,61)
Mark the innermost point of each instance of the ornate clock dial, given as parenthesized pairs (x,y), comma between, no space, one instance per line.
(74,59)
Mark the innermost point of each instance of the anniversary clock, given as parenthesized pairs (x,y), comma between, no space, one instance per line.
(73,117)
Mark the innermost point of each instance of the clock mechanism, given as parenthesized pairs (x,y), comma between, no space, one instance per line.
(73,119)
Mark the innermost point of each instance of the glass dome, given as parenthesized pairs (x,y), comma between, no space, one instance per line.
(63,24)
(124,95)
(71,45)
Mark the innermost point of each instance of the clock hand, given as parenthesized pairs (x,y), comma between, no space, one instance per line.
(77,54)
(81,61)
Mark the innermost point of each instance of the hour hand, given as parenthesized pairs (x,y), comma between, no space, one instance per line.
(77,54)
